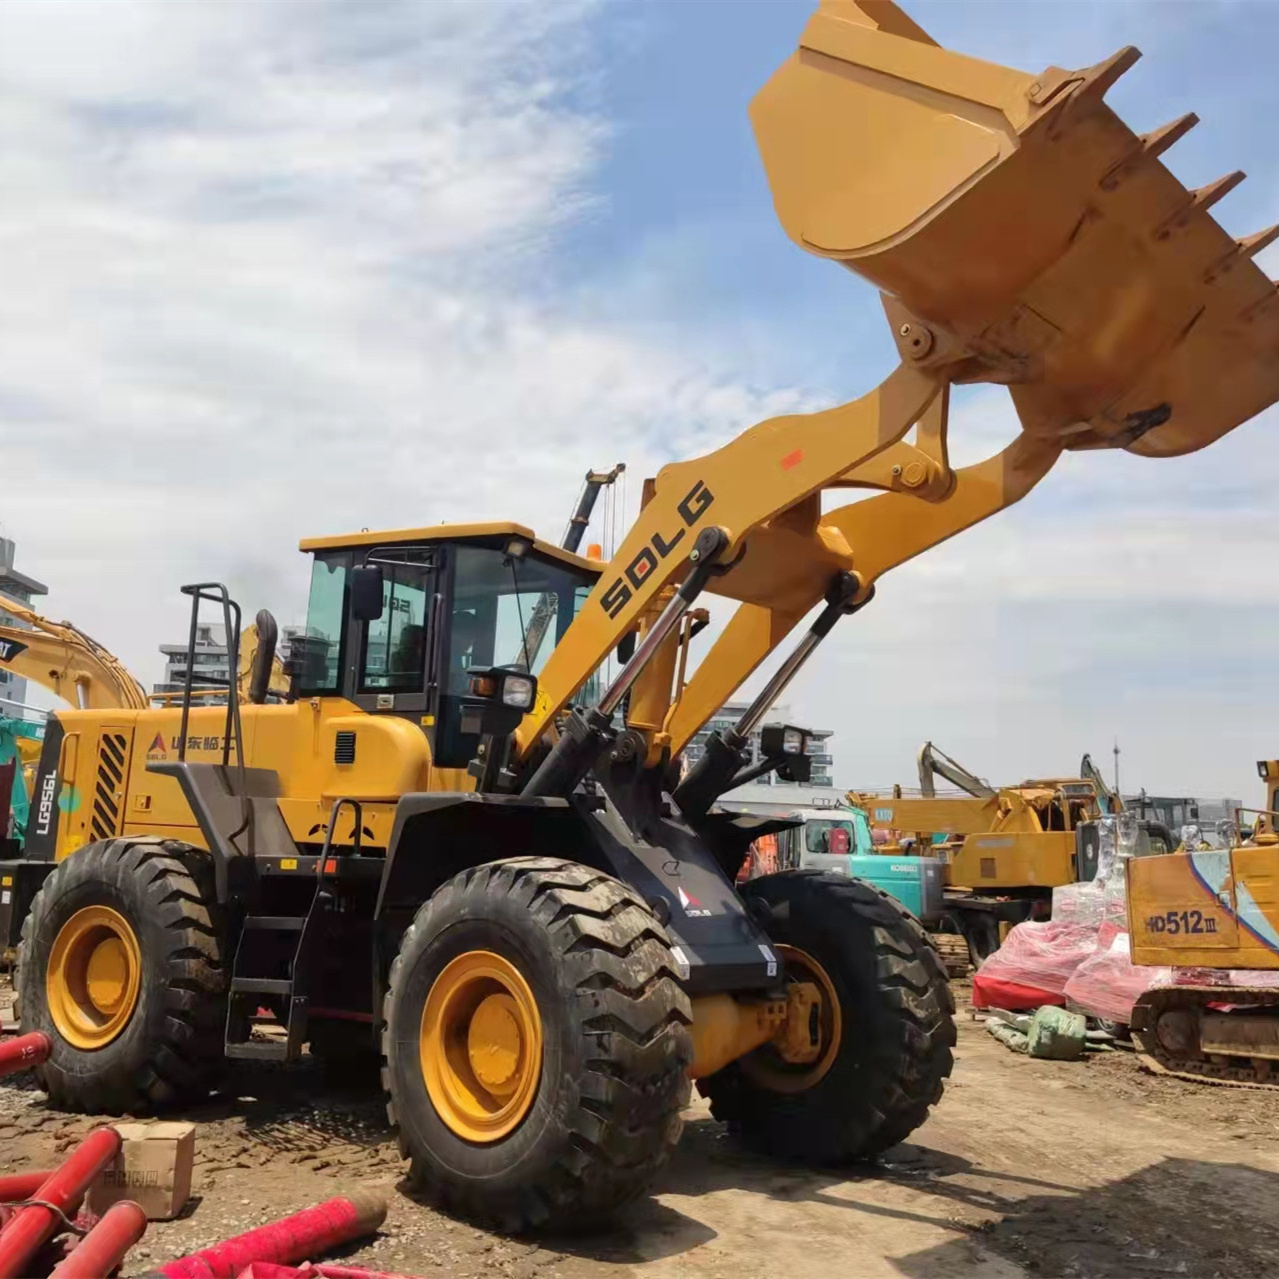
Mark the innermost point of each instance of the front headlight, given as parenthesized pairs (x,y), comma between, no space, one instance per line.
(518,692)
(793,741)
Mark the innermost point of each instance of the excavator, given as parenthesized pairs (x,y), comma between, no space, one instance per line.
(1005,848)
(479,856)
(1214,911)
(70,664)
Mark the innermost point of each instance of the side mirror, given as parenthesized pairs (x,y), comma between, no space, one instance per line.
(366,592)
(788,746)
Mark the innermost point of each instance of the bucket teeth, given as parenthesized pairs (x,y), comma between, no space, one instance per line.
(1200,199)
(1244,249)
(1102,77)
(1153,145)
(1251,245)
(1158,141)
(1206,197)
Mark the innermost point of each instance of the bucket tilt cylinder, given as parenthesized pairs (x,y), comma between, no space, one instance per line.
(720,768)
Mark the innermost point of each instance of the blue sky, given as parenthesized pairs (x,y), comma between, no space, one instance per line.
(274,270)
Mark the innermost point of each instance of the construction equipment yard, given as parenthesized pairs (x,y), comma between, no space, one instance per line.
(427,936)
(1107,1171)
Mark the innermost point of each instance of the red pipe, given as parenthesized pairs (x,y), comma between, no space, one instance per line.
(103,1248)
(30,1227)
(269,1270)
(24,1052)
(22,1185)
(289,1240)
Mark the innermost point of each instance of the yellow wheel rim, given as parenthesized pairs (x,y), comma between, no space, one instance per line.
(93,979)
(481,1046)
(766,1067)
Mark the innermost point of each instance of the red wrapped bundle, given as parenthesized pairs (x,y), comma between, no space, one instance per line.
(1108,983)
(1033,965)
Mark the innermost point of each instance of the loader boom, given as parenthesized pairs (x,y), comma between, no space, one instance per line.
(1022,234)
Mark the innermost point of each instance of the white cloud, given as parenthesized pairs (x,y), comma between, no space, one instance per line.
(272,271)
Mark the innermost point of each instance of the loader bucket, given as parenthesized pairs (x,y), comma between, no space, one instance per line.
(1020,216)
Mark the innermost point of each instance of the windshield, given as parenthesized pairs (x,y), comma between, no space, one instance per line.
(508,612)
(829,837)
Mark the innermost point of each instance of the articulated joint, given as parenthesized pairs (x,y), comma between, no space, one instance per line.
(725,1028)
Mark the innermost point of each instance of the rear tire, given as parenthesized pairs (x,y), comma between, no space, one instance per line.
(171,1045)
(896,1012)
(612,1018)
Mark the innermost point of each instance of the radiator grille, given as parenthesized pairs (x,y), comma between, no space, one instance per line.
(105,819)
(344,748)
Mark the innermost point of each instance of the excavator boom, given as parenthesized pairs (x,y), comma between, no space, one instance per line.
(70,664)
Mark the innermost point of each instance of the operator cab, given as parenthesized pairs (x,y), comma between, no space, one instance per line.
(397,622)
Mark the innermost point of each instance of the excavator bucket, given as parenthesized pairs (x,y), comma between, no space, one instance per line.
(1021,217)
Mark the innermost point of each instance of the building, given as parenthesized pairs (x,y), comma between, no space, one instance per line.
(1178,811)
(24,589)
(731,712)
(212,663)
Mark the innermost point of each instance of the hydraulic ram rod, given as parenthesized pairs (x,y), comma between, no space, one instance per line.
(718,769)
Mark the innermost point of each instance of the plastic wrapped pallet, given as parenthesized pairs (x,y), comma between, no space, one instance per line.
(1033,965)
(1107,984)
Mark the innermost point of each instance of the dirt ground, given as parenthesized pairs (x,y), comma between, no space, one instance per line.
(1026,1168)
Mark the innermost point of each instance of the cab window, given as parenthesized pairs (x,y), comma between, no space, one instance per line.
(828,836)
(505,612)
(317,652)
(395,644)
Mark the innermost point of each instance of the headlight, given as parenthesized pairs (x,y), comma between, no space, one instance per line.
(518,691)
(793,741)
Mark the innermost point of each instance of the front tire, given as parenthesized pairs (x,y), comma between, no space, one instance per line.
(536,1044)
(120,964)
(886,1047)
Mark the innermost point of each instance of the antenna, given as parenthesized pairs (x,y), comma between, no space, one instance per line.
(1116,748)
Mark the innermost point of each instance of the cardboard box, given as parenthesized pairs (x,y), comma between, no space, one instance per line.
(153,1169)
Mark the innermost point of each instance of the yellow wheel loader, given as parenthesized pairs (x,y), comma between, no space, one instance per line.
(1214,910)
(468,845)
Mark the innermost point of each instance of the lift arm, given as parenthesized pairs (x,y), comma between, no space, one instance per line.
(1022,235)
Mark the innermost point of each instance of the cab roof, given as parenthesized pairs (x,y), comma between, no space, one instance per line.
(491,531)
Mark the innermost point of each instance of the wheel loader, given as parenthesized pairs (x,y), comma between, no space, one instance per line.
(1214,911)
(476,852)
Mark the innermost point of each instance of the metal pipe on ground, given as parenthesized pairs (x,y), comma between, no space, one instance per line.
(285,1242)
(24,1052)
(59,1194)
(21,1185)
(105,1246)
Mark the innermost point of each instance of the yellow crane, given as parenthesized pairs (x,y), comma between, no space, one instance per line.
(476,854)
(1005,848)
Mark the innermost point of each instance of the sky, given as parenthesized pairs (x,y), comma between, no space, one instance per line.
(269,271)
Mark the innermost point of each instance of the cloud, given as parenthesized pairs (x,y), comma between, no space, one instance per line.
(273,271)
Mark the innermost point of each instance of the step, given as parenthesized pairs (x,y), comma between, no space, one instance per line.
(261,986)
(275,923)
(259,1051)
